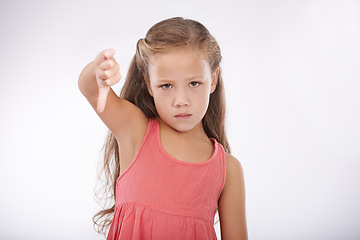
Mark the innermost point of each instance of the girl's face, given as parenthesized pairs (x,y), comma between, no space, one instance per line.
(181,83)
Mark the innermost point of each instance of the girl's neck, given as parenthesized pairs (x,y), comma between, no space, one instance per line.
(190,146)
(195,134)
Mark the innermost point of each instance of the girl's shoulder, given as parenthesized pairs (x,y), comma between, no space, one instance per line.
(234,171)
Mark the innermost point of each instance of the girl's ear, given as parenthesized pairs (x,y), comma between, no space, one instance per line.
(150,91)
(215,78)
(147,82)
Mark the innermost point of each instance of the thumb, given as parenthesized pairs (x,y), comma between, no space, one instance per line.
(101,101)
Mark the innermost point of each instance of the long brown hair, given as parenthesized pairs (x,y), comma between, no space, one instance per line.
(162,37)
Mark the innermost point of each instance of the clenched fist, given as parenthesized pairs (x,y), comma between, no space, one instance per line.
(107,72)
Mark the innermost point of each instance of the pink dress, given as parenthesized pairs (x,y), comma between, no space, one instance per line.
(160,197)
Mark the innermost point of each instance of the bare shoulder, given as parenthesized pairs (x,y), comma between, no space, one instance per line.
(233,166)
(232,202)
(234,175)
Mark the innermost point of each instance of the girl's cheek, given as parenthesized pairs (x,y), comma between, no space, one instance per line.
(161,94)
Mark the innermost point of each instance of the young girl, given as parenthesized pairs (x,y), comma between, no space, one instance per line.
(173,167)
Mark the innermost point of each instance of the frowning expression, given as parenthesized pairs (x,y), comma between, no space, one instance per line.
(181,82)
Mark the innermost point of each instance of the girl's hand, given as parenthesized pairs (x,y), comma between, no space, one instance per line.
(107,74)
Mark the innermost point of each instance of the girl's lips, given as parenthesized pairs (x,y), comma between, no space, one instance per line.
(183,116)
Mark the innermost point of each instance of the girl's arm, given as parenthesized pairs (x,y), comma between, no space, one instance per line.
(232,202)
(125,120)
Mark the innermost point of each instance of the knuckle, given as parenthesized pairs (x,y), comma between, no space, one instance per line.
(102,75)
(106,74)
(101,66)
(110,63)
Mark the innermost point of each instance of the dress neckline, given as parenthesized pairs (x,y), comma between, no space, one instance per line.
(162,149)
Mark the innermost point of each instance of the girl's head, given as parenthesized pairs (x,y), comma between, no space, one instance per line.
(179,61)
(175,74)
(181,82)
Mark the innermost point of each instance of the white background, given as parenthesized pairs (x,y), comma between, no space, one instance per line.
(292,79)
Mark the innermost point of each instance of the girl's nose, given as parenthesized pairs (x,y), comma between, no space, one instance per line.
(181,99)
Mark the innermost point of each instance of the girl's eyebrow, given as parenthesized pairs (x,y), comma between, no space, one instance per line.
(171,80)
(194,77)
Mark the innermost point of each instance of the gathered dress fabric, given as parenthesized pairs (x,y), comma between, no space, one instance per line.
(160,197)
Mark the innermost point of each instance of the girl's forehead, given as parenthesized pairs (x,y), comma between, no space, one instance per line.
(178,61)
(184,52)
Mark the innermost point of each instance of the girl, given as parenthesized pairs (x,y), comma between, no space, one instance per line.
(172,162)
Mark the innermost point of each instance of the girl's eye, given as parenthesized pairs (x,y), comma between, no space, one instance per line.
(194,84)
(166,86)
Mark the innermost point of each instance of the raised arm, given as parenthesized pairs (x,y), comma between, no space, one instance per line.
(125,120)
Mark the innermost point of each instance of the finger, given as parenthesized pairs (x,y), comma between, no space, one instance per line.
(113,80)
(109,81)
(108,53)
(109,73)
(101,75)
(105,75)
(109,64)
(101,101)
(104,55)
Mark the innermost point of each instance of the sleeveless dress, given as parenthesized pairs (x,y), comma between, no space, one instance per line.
(159,197)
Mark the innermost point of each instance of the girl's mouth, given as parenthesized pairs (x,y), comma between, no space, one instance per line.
(182,116)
